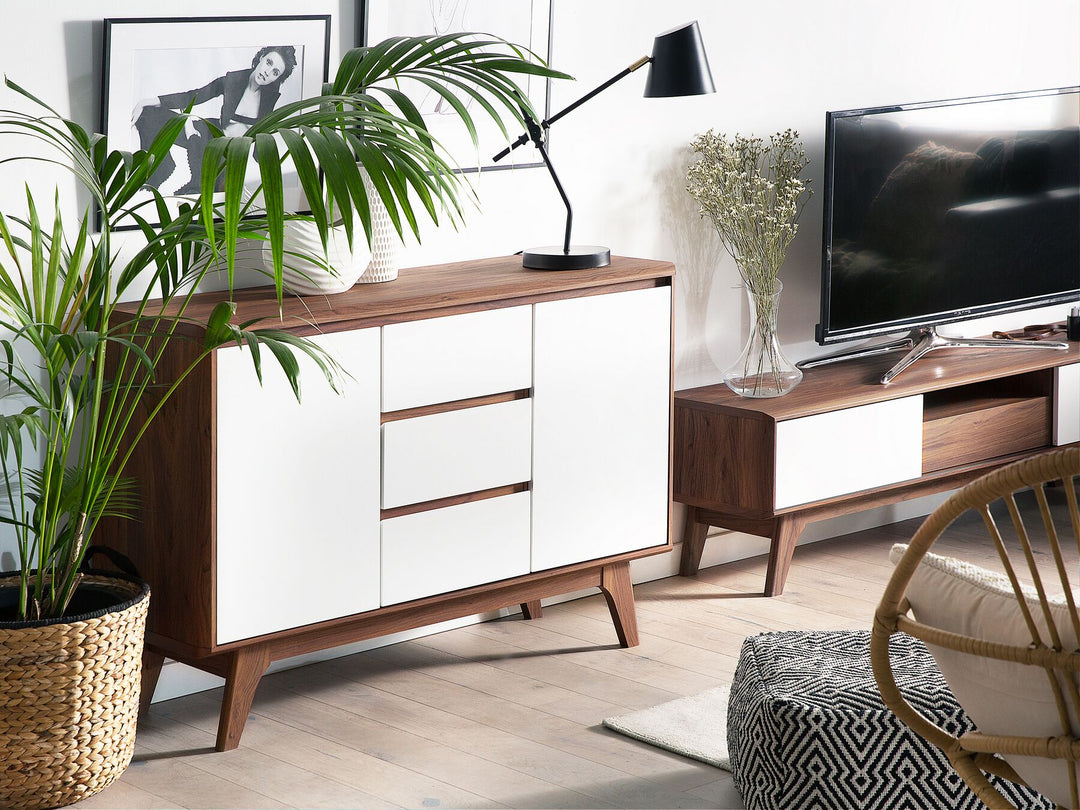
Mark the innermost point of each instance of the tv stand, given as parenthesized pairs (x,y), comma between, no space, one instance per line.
(921,342)
(840,442)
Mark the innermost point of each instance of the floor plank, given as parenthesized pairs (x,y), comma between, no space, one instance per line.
(508,713)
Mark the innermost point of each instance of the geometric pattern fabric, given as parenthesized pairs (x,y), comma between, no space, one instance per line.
(807,729)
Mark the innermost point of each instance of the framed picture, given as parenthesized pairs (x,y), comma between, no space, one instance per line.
(233,70)
(522,22)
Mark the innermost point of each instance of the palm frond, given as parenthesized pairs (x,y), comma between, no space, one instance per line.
(87,379)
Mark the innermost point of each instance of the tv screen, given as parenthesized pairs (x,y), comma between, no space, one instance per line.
(948,210)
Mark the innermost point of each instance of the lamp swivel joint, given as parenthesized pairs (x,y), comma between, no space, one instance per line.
(535,130)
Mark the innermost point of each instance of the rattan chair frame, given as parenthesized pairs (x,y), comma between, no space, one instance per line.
(974,754)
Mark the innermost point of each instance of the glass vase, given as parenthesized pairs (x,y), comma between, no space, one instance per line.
(762,370)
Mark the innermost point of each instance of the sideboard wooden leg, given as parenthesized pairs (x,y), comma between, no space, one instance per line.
(532,609)
(246,668)
(618,590)
(152,661)
(693,543)
(785,533)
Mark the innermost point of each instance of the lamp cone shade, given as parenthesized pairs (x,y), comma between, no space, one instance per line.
(679,66)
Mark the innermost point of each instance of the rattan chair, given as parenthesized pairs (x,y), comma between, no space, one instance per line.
(1032,724)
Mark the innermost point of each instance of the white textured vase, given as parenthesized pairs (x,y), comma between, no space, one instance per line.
(338,268)
(384,240)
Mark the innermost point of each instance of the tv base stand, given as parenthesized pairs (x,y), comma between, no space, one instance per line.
(921,342)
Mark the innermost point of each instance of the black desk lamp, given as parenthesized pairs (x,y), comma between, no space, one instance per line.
(678,67)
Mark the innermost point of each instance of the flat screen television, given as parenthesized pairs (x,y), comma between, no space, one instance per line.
(944,211)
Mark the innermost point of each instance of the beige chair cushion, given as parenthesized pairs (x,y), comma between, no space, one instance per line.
(999,696)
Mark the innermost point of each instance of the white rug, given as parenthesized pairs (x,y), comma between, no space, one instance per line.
(694,726)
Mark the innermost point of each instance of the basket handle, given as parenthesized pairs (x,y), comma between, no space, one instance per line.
(121,561)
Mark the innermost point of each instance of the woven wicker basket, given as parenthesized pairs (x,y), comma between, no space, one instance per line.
(69,698)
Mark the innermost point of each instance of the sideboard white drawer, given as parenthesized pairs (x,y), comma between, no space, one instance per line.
(460,451)
(456,547)
(456,357)
(846,451)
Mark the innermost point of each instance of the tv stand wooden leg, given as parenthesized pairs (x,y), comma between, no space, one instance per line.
(532,609)
(246,666)
(785,533)
(693,543)
(618,590)
(152,661)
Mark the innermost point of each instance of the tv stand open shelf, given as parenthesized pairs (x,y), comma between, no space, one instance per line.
(841,442)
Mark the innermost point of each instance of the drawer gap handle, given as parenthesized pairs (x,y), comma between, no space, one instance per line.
(456,405)
(454,500)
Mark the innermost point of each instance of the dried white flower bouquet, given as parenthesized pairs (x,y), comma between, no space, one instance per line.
(753,193)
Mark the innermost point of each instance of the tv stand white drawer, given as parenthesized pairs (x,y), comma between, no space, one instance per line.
(850,450)
(1067,404)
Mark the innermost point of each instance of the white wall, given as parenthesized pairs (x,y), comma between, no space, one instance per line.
(777,64)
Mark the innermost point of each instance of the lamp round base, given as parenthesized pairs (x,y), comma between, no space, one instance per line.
(553,257)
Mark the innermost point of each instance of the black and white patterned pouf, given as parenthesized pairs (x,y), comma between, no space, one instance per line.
(807,728)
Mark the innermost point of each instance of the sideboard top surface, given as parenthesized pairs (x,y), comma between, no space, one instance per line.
(473,283)
(857,382)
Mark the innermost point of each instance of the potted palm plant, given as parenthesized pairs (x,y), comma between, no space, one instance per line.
(80,382)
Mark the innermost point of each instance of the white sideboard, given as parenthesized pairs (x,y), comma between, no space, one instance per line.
(503,435)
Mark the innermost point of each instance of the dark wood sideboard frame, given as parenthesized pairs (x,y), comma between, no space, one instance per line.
(181,572)
(991,408)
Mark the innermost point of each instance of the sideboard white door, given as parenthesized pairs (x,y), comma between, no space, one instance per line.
(601,405)
(297,490)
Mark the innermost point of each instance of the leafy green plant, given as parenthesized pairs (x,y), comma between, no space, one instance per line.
(84,379)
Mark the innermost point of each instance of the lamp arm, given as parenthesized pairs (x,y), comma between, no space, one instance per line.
(547,122)
(536,134)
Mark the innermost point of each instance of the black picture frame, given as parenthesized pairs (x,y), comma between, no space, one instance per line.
(523,22)
(173,60)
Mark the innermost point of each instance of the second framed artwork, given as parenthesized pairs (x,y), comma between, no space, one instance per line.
(232,71)
(522,22)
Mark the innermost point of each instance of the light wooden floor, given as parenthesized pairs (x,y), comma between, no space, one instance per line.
(507,713)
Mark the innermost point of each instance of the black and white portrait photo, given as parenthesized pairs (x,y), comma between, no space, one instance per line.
(228,72)
(232,100)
